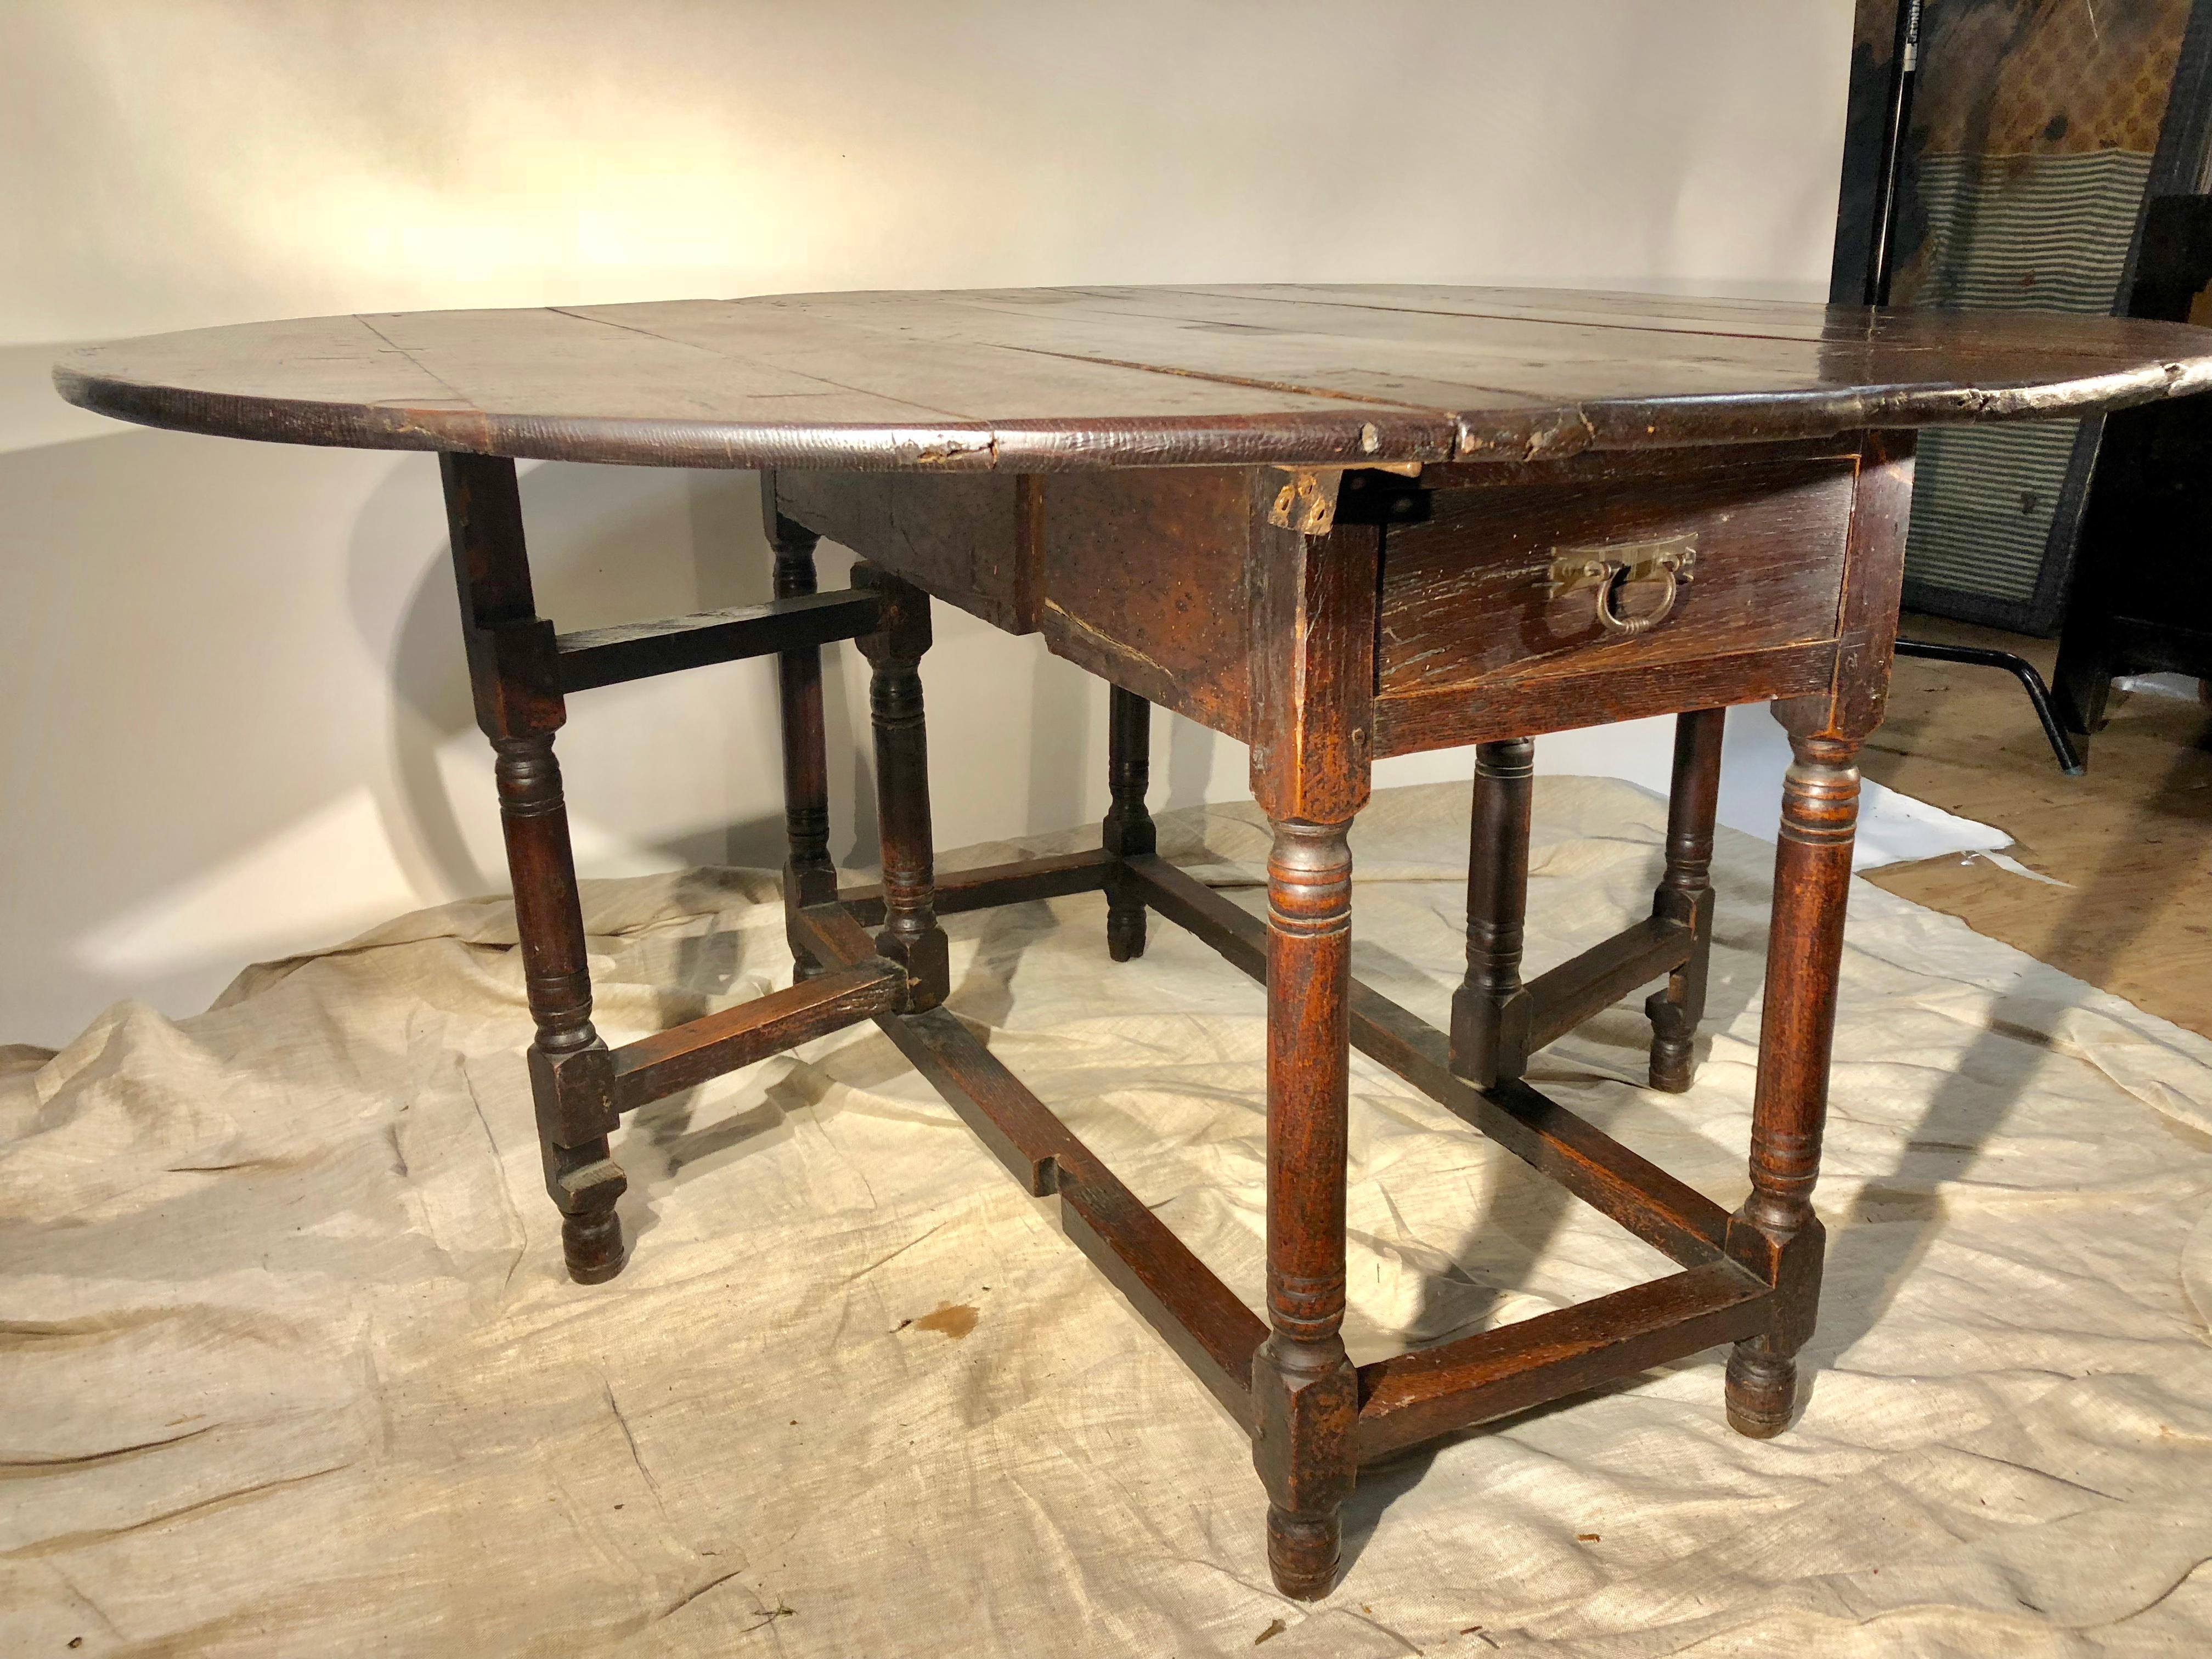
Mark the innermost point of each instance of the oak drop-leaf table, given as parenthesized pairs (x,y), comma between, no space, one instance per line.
(1336,523)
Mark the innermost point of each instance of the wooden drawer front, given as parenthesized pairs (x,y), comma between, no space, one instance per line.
(1472,594)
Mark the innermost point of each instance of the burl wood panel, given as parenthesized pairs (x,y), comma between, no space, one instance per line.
(1468,596)
(967,539)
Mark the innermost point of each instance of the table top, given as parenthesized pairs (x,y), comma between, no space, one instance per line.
(1038,380)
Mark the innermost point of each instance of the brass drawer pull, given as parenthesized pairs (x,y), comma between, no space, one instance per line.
(1612,571)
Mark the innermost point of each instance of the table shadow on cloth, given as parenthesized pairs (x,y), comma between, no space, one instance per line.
(292,1364)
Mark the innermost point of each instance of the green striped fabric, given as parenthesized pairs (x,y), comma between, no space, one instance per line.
(2011,232)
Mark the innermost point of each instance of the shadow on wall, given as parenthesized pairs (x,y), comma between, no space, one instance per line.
(172,694)
(211,765)
(607,545)
(238,725)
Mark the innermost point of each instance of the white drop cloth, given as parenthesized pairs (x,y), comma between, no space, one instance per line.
(290,1367)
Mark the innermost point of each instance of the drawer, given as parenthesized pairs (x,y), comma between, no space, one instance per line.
(1532,581)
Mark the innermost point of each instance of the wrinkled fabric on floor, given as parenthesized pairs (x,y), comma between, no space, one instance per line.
(290,1365)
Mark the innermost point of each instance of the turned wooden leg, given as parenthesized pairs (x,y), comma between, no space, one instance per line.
(1686,895)
(1491,1009)
(513,668)
(569,1067)
(1129,831)
(1313,584)
(910,935)
(1304,1385)
(1776,1232)
(809,877)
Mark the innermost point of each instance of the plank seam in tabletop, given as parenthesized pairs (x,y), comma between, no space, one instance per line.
(1284,388)
(1505,315)
(1870,338)
(391,344)
(1072,379)
(584,316)
(1889,331)
(1956,323)
(1363,399)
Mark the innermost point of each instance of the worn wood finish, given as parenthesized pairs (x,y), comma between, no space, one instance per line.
(1010,1121)
(809,875)
(691,1054)
(1672,1218)
(1331,522)
(1495,1373)
(1775,1233)
(1685,898)
(635,651)
(1129,831)
(1562,998)
(1848,707)
(910,936)
(1490,1033)
(1043,380)
(1631,466)
(1312,592)
(987,886)
(1212,1332)
(1448,718)
(1145,579)
(970,540)
(1470,596)
(1306,1395)
(513,668)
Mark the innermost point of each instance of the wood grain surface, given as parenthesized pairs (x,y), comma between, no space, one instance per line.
(1466,596)
(1036,380)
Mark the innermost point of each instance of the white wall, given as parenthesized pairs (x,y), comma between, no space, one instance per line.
(233,719)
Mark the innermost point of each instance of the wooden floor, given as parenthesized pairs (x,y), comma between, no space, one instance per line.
(2131,841)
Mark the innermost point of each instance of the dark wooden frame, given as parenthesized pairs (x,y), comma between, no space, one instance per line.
(1316,665)
(2142,600)
(2181,163)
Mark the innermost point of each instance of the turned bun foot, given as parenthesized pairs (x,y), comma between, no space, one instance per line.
(1673,1060)
(1125,934)
(1301,1553)
(592,1246)
(1762,1392)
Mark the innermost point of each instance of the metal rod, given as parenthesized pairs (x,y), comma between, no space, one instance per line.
(2019,668)
(1904,67)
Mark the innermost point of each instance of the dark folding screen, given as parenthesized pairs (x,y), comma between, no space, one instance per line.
(2038,129)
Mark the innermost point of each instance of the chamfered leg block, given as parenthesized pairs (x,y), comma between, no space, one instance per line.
(513,673)
(1686,895)
(1129,831)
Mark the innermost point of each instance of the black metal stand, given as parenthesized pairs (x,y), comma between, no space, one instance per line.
(2022,670)
(1904,67)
